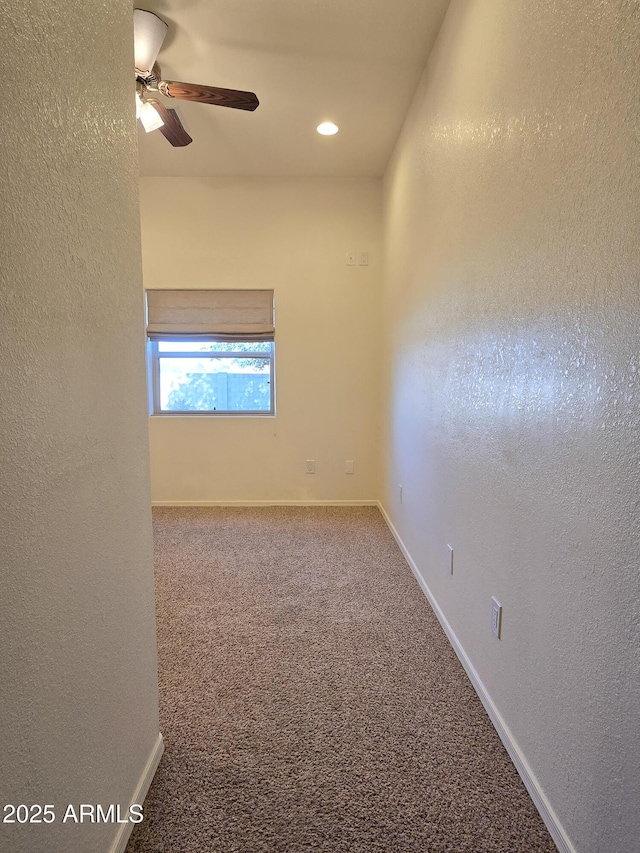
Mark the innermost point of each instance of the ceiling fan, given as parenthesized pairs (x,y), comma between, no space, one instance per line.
(148,34)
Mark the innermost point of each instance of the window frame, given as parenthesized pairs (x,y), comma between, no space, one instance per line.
(153,372)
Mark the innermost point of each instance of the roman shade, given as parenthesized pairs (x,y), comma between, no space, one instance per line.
(215,314)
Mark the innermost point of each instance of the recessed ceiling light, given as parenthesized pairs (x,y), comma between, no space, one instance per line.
(327,128)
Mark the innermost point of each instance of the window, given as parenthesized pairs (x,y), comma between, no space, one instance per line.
(211,352)
(212,376)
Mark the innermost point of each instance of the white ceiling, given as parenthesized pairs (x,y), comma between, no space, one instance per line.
(355,62)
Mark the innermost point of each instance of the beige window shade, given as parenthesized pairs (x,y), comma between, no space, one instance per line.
(221,314)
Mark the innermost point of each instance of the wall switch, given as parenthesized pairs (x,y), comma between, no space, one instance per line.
(348,466)
(311,466)
(450,559)
(363,258)
(496,617)
(400,487)
(351,258)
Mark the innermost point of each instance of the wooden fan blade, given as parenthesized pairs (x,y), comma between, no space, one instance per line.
(172,129)
(233,98)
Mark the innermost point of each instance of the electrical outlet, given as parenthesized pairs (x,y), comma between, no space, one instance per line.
(496,617)
(311,466)
(363,259)
(450,559)
(348,466)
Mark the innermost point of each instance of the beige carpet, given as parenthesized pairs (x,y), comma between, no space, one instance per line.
(310,699)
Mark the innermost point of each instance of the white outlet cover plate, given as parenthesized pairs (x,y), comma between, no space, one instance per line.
(496,616)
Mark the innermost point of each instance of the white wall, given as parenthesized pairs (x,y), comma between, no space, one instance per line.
(292,236)
(513,307)
(78,696)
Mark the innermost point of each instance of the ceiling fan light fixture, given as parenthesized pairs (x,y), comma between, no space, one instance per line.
(148,34)
(327,128)
(150,117)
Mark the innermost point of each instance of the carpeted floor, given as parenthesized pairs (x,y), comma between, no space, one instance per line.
(310,700)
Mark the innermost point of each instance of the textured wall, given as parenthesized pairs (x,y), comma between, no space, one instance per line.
(78,702)
(292,235)
(513,309)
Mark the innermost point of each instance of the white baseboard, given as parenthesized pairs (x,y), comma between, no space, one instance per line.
(282,502)
(532,785)
(125,829)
